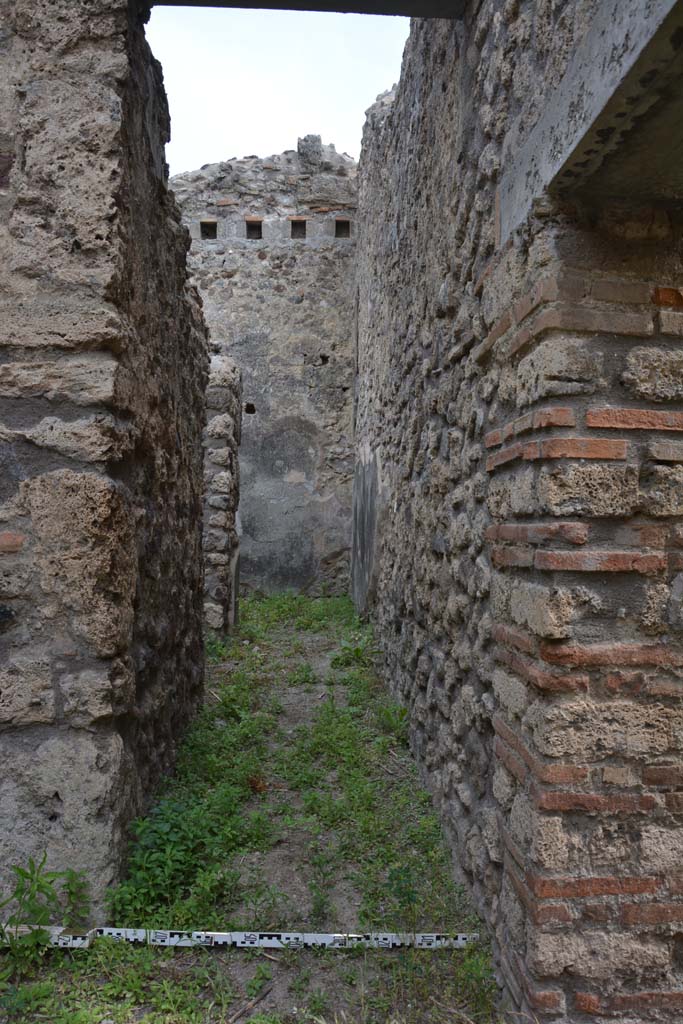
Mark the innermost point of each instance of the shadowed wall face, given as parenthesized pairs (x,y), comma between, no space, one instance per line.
(272,255)
(102,377)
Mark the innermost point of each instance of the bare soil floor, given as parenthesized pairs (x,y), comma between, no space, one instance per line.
(296,805)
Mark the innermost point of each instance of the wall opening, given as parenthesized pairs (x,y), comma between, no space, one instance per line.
(208,230)
(342,228)
(254,229)
(298,229)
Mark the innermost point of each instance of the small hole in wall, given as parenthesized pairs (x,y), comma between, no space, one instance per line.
(324,360)
(342,229)
(249,408)
(298,229)
(254,229)
(208,229)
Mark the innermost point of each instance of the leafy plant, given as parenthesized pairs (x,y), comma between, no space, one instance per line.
(357,649)
(216,648)
(393,720)
(302,675)
(256,984)
(39,897)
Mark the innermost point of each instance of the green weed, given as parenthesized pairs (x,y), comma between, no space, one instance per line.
(39,898)
(345,784)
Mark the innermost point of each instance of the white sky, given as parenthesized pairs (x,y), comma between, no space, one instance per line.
(251,82)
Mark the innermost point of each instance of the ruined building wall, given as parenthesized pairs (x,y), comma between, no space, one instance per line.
(103,366)
(281,307)
(221,493)
(517,520)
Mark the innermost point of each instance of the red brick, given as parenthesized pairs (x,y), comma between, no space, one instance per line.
(554,774)
(634,419)
(541,914)
(586,1002)
(583,448)
(663,775)
(664,296)
(675,883)
(518,884)
(503,456)
(674,802)
(652,913)
(644,1001)
(599,561)
(536,533)
(522,557)
(646,536)
(531,450)
(624,803)
(11,542)
(498,329)
(578,888)
(546,999)
(552,913)
(597,913)
(512,637)
(493,438)
(557,416)
(544,290)
(513,763)
(548,682)
(511,429)
(625,682)
(611,654)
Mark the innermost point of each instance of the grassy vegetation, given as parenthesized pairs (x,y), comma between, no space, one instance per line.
(295,804)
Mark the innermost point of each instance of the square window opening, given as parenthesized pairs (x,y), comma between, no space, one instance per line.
(342,229)
(254,229)
(208,229)
(298,229)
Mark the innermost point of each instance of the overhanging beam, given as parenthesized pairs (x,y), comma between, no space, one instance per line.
(622,86)
(407,8)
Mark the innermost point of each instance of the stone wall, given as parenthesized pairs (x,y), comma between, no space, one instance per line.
(282,307)
(518,517)
(103,366)
(221,494)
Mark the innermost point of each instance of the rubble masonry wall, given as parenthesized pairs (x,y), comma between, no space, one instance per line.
(103,367)
(517,520)
(282,308)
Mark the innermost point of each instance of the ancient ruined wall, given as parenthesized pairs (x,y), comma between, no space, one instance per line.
(517,524)
(102,372)
(281,306)
(221,493)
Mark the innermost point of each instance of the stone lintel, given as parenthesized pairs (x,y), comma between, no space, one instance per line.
(623,81)
(407,8)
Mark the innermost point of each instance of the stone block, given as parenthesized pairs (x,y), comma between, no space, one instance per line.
(26,690)
(654,373)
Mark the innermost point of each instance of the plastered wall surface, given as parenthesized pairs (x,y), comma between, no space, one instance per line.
(282,308)
(103,366)
(517,520)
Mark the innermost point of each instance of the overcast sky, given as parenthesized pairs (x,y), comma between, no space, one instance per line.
(251,82)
